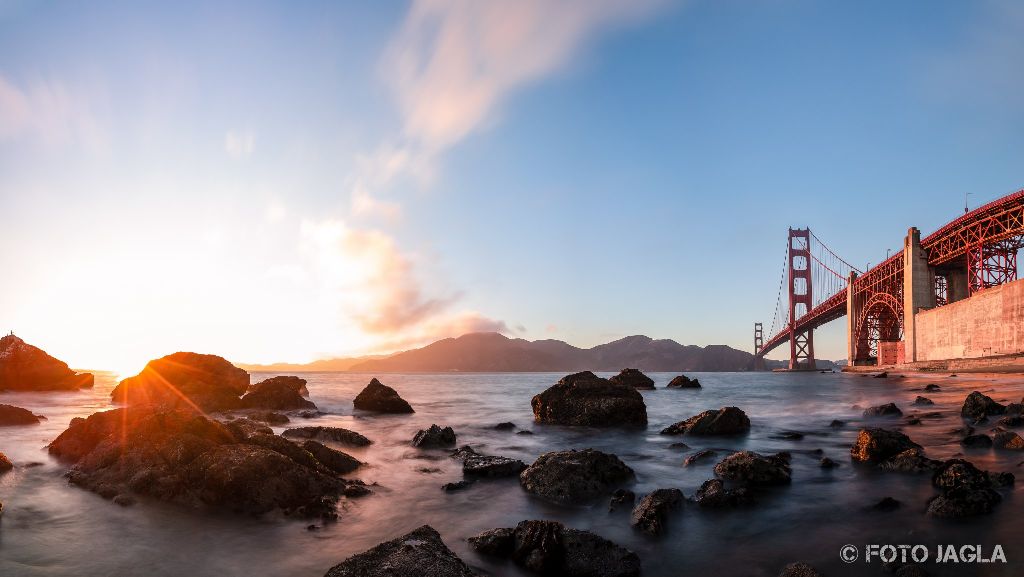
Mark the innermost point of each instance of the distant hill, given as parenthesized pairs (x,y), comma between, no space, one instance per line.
(325,365)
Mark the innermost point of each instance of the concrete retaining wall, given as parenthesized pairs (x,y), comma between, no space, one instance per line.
(987,324)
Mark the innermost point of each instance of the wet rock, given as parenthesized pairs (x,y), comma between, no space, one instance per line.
(837,424)
(186,381)
(680,446)
(754,469)
(827,463)
(713,494)
(921,401)
(958,472)
(496,542)
(932,388)
(574,476)
(912,421)
(288,449)
(550,548)
(1007,440)
(24,367)
(13,416)
(886,410)
(269,417)
(586,399)
(380,398)
(1015,409)
(506,426)
(492,466)
(622,497)
(419,553)
(692,459)
(724,421)
(428,470)
(977,406)
(5,464)
(651,514)
(434,437)
(886,504)
(633,378)
(458,485)
(882,375)
(876,445)
(335,460)
(1012,421)
(977,441)
(911,570)
(524,432)
(330,434)
(909,461)
(789,436)
(463,452)
(683,382)
(799,569)
(277,394)
(964,502)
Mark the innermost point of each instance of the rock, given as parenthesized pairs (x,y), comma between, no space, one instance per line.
(337,461)
(550,548)
(458,485)
(877,445)
(492,466)
(294,383)
(923,401)
(182,457)
(419,553)
(911,570)
(789,436)
(912,421)
(882,375)
(524,432)
(691,459)
(683,382)
(724,421)
(434,437)
(574,476)
(633,378)
(277,394)
(185,380)
(754,469)
(799,569)
(269,417)
(886,504)
(289,449)
(713,494)
(963,502)
(977,405)
(5,464)
(621,497)
(24,367)
(1007,440)
(909,461)
(958,472)
(932,388)
(462,453)
(506,426)
(886,410)
(12,416)
(827,463)
(330,434)
(980,441)
(651,514)
(588,400)
(837,424)
(381,398)
(1012,421)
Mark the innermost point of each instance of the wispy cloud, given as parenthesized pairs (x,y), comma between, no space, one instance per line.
(239,144)
(47,112)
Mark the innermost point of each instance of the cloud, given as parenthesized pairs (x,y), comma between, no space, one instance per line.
(48,113)
(239,145)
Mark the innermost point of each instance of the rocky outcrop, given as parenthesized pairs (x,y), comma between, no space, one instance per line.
(11,416)
(277,394)
(434,437)
(337,461)
(330,434)
(380,398)
(714,494)
(651,513)
(182,457)
(586,399)
(185,380)
(24,367)
(753,469)
(292,382)
(633,378)
(683,382)
(886,410)
(977,405)
(877,445)
(476,465)
(724,421)
(419,553)
(966,490)
(550,548)
(575,476)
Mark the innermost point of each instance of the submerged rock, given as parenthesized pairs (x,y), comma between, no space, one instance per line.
(651,514)
(713,494)
(633,378)
(877,445)
(24,367)
(458,485)
(704,454)
(586,399)
(277,394)
(886,504)
(621,497)
(977,406)
(434,437)
(575,476)
(683,382)
(419,553)
(1012,421)
(724,421)
(980,440)
(753,469)
(380,398)
(506,426)
(550,548)
(331,434)
(886,410)
(11,416)
(799,569)
(932,388)
(921,401)
(185,380)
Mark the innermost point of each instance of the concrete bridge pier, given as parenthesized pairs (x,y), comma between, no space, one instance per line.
(918,289)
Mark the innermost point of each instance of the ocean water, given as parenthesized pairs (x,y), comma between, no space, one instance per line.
(50,528)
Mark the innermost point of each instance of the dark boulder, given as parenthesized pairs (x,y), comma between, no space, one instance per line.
(699,455)
(724,421)
(506,426)
(980,440)
(457,485)
(958,472)
(1007,440)
(827,463)
(837,424)
(877,445)
(962,502)
(799,569)
(651,513)
(886,504)
(753,469)
(621,497)
(588,400)
(330,434)
(24,367)
(269,417)
(921,401)
(683,382)
(419,553)
(476,465)
(277,394)
(932,388)
(12,416)
(5,463)
(713,494)
(886,410)
(977,406)
(496,542)
(575,476)
(294,383)
(909,461)
(434,437)
(381,398)
(335,460)
(185,380)
(1012,421)
(633,378)
(243,428)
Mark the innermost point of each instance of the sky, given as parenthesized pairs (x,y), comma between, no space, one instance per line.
(294,181)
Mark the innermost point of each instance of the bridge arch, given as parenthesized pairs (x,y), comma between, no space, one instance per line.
(880,320)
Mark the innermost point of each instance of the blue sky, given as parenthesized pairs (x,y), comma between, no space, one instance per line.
(291,181)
